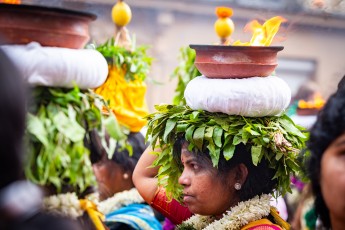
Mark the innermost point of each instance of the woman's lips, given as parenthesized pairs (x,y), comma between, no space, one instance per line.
(187,199)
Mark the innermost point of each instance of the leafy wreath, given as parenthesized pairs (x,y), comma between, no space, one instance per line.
(136,62)
(58,123)
(220,133)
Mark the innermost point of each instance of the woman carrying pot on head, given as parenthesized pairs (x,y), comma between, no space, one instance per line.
(119,200)
(20,200)
(222,168)
(326,166)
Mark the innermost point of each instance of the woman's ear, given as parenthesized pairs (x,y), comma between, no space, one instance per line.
(241,173)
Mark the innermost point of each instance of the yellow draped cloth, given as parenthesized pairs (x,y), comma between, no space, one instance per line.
(126,98)
(96,217)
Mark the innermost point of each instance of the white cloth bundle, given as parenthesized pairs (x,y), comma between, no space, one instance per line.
(58,67)
(251,97)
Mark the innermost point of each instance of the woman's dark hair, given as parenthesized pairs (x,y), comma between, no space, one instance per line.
(12,121)
(259,179)
(121,155)
(330,124)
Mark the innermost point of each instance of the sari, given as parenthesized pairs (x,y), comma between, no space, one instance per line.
(137,216)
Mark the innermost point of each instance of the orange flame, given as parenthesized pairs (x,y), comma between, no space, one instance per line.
(262,34)
(10,1)
(316,103)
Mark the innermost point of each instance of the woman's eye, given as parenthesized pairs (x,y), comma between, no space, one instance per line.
(195,166)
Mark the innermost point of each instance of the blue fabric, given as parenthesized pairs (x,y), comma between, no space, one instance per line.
(138,216)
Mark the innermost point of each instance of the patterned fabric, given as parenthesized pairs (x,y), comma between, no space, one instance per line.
(137,216)
(265,227)
(263,224)
(172,210)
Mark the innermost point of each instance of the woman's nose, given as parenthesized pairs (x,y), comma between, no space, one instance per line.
(184,179)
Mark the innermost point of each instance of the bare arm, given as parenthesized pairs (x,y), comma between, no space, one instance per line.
(144,177)
(145,180)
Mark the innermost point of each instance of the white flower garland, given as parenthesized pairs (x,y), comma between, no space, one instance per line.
(240,215)
(119,200)
(66,204)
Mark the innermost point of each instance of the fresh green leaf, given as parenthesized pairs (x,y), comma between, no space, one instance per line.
(69,128)
(36,128)
(170,125)
(256,153)
(229,151)
(198,137)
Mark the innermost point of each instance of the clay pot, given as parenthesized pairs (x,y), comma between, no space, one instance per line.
(22,24)
(218,61)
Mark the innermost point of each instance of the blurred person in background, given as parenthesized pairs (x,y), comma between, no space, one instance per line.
(20,200)
(326,166)
(304,216)
(305,104)
(119,200)
(303,110)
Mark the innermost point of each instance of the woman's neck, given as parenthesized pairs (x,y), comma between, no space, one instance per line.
(127,185)
(233,203)
(337,223)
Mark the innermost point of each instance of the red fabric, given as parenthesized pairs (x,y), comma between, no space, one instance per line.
(172,210)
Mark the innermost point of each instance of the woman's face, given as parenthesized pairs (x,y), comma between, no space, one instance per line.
(204,192)
(333,178)
(109,178)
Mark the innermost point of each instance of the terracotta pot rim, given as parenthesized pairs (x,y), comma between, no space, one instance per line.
(235,48)
(49,26)
(236,64)
(47,10)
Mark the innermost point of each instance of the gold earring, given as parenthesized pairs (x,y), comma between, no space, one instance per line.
(238,186)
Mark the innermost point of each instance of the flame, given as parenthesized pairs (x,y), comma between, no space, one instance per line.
(10,1)
(262,34)
(316,103)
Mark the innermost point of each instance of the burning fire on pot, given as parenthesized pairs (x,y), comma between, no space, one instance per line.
(10,1)
(262,34)
(239,76)
(239,59)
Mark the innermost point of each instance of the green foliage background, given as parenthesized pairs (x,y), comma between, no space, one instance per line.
(184,72)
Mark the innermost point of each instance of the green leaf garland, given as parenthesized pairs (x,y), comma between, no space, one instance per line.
(136,62)
(57,123)
(220,133)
